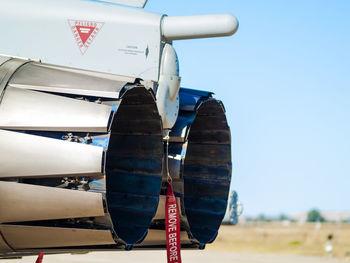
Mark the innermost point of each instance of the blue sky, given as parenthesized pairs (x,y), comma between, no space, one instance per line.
(285,81)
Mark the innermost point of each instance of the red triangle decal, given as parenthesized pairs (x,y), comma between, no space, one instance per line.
(84,32)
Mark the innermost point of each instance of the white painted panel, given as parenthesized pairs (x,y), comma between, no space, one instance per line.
(199,26)
(136,3)
(127,42)
(24,155)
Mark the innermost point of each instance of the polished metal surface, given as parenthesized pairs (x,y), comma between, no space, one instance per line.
(25,155)
(87,165)
(3,59)
(4,248)
(27,237)
(160,214)
(154,237)
(76,166)
(44,77)
(37,111)
(25,202)
(6,71)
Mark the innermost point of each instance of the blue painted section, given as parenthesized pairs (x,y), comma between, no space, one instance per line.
(114,107)
(183,120)
(188,102)
(201,93)
(97,184)
(189,98)
(101,142)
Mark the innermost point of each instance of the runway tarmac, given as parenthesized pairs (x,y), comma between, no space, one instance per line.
(187,256)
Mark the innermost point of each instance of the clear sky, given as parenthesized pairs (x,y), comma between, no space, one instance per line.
(285,81)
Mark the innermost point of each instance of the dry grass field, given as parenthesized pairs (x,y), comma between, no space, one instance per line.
(277,238)
(245,243)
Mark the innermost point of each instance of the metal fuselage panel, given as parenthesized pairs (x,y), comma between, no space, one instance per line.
(127,43)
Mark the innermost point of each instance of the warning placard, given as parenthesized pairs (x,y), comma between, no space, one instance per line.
(84,32)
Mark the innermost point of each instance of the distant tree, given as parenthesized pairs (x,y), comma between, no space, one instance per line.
(314,215)
(263,218)
(249,219)
(283,217)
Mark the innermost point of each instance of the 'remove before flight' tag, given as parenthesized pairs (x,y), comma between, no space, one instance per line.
(172,227)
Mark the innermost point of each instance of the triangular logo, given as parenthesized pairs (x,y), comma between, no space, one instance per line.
(84,32)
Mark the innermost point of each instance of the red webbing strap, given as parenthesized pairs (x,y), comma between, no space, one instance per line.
(172,227)
(40,258)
